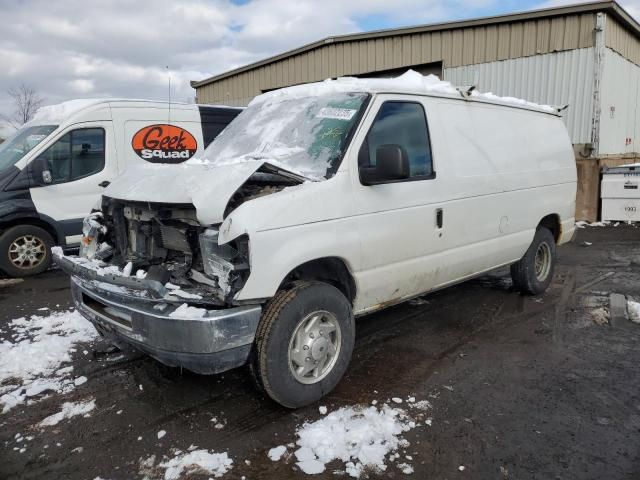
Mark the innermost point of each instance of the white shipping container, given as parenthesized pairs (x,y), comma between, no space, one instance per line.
(620,193)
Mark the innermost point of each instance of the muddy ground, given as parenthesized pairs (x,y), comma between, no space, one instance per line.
(521,387)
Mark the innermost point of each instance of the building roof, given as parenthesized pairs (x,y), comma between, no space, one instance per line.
(610,7)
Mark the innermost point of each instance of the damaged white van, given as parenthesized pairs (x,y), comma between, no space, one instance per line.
(317,204)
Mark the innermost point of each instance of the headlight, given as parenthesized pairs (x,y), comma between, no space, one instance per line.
(92,228)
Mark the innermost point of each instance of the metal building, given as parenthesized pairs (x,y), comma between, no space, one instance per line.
(586,56)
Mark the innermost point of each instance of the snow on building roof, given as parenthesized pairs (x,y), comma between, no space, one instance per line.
(411,82)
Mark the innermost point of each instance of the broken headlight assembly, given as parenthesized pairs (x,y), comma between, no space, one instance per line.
(228,264)
(92,231)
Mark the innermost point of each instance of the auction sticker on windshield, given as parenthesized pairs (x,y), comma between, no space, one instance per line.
(164,143)
(336,113)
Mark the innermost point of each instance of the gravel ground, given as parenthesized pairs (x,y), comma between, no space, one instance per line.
(520,387)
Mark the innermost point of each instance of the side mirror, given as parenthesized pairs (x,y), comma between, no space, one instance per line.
(392,163)
(46,177)
(40,173)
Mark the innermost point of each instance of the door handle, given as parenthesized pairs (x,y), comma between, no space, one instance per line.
(104,183)
(439,217)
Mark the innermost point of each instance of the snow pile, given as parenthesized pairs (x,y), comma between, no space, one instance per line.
(409,82)
(196,462)
(100,267)
(583,224)
(176,291)
(188,312)
(30,363)
(276,453)
(633,309)
(69,409)
(361,437)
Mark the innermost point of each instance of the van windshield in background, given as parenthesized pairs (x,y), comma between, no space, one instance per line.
(307,135)
(21,143)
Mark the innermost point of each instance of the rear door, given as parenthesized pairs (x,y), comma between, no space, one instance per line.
(80,163)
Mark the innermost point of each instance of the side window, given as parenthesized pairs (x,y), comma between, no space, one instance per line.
(87,152)
(404,124)
(57,159)
(77,154)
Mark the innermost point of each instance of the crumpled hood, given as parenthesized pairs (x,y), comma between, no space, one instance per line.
(207,187)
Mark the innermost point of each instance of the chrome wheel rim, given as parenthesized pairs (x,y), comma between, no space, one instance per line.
(543,262)
(27,251)
(314,347)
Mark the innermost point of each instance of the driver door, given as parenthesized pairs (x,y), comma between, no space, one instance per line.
(397,219)
(71,174)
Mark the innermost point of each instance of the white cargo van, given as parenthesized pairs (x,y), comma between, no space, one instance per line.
(318,203)
(54,169)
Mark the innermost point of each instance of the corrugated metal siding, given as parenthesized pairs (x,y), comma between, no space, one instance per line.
(554,78)
(622,40)
(456,47)
(620,91)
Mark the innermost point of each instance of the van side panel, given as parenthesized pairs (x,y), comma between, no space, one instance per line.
(214,120)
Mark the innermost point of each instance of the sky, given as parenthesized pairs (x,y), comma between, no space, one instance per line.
(117,48)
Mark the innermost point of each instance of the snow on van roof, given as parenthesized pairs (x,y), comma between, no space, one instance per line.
(409,82)
(54,114)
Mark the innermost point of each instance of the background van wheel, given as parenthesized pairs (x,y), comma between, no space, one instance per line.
(25,250)
(534,272)
(304,343)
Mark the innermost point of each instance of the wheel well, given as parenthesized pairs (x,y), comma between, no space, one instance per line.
(34,222)
(552,222)
(331,270)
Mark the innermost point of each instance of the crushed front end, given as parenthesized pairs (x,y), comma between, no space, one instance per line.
(152,277)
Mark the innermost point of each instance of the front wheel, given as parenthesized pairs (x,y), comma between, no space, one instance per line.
(304,343)
(25,250)
(533,273)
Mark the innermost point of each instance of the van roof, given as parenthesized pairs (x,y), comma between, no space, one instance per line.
(55,114)
(411,82)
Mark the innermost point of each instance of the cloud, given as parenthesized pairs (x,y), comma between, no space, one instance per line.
(114,48)
(632,7)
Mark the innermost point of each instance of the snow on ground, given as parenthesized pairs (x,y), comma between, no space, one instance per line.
(183,464)
(583,224)
(633,309)
(69,409)
(360,436)
(276,453)
(33,351)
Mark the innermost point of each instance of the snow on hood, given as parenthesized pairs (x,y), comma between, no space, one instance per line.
(409,82)
(207,187)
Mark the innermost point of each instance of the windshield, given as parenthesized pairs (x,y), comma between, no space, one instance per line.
(21,143)
(305,135)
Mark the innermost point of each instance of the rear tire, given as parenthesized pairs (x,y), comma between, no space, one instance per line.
(533,273)
(303,344)
(25,250)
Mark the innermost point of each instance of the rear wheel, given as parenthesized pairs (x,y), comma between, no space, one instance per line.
(304,343)
(534,272)
(25,250)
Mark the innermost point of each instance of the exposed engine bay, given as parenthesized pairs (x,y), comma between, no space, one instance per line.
(166,243)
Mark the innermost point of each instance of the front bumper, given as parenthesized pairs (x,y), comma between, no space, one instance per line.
(219,341)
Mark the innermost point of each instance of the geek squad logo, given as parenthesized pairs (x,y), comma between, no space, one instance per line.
(164,143)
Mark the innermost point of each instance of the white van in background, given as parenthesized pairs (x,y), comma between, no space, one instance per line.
(54,169)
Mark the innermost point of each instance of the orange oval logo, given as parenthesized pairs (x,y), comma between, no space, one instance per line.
(164,143)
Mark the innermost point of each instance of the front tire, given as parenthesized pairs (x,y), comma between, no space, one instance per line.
(25,250)
(533,273)
(304,343)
